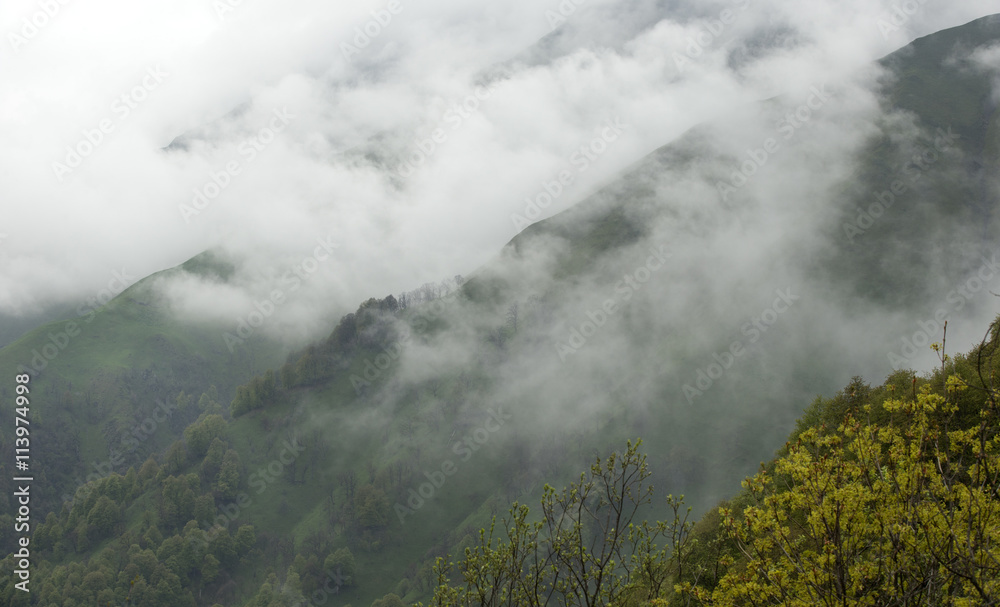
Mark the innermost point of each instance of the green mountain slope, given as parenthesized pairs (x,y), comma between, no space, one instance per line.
(109,376)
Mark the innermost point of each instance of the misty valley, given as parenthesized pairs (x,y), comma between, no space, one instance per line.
(618,303)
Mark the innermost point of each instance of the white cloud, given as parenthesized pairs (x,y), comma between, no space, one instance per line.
(331,171)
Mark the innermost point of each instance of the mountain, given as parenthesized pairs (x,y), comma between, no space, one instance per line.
(106,375)
(700,300)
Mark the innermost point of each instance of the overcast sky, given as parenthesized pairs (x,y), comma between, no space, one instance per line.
(297,138)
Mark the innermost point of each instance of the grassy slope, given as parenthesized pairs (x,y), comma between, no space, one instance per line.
(107,379)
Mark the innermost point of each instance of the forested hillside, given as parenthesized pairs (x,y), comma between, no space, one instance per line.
(882,495)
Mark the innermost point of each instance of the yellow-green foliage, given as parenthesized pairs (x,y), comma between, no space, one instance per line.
(903,512)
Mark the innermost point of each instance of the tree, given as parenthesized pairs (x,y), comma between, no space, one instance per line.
(242,402)
(257,392)
(309,367)
(208,403)
(130,482)
(266,386)
(389,600)
(341,564)
(346,331)
(245,539)
(103,517)
(176,502)
(223,547)
(176,455)
(512,312)
(349,481)
(371,508)
(585,550)
(902,513)
(227,483)
(291,590)
(389,304)
(213,459)
(183,402)
(209,568)
(201,434)
(82,532)
(178,555)
(204,508)
(149,470)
